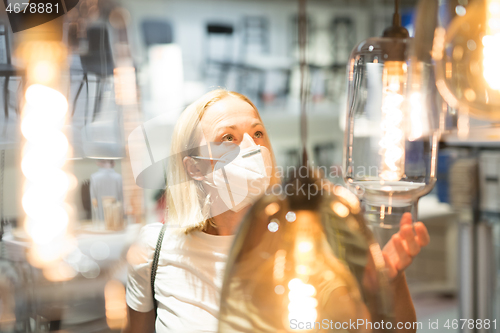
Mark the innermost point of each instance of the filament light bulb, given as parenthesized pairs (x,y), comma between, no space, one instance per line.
(393,138)
(390,126)
(302,300)
(302,303)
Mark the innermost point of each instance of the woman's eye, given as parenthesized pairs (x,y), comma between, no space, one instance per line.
(228,137)
(258,134)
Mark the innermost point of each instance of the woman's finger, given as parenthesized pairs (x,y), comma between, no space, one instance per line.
(410,239)
(405,219)
(423,237)
(404,258)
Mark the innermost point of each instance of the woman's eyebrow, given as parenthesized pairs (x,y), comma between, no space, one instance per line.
(235,126)
(223,127)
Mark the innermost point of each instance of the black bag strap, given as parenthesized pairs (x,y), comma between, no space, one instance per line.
(154,267)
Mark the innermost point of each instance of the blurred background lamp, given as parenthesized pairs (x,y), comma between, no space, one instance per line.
(466,53)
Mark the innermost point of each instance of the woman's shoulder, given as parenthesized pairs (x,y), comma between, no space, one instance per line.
(149,233)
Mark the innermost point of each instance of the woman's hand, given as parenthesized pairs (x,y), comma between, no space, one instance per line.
(404,245)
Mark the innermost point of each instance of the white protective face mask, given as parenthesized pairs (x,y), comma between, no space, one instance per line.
(241,176)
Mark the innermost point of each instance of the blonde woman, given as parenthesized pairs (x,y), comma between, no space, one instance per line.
(222,128)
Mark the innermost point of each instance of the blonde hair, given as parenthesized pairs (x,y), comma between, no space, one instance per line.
(188,204)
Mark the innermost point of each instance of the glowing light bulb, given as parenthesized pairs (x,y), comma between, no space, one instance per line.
(45,229)
(43,156)
(340,209)
(491,45)
(42,97)
(44,71)
(302,304)
(466,62)
(305,246)
(116,306)
(393,138)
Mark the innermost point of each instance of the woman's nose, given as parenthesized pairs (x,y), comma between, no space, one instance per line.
(247,141)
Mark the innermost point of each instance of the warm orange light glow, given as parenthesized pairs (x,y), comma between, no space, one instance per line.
(301,296)
(44,152)
(302,303)
(438,44)
(116,307)
(125,85)
(279,266)
(272,208)
(58,272)
(44,255)
(39,97)
(491,44)
(44,192)
(340,209)
(351,199)
(463,125)
(44,71)
(43,156)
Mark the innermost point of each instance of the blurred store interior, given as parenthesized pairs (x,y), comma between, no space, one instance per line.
(126,69)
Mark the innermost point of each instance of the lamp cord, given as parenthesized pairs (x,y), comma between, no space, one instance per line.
(304,92)
(2,169)
(396,18)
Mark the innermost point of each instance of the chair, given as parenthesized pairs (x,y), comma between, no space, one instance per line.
(98,60)
(156,31)
(255,42)
(255,36)
(7,70)
(343,32)
(224,33)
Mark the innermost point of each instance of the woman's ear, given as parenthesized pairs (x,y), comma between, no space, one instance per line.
(192,168)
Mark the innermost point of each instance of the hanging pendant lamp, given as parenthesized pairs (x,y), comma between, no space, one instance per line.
(391,137)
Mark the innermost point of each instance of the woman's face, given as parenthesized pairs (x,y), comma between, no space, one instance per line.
(229,123)
(233,120)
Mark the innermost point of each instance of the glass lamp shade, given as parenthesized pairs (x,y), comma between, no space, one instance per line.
(466,59)
(391,134)
(304,263)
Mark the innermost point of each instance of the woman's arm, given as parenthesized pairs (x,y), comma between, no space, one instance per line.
(139,293)
(399,253)
(403,305)
(139,322)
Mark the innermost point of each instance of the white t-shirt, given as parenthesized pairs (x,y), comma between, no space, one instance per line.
(188,279)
